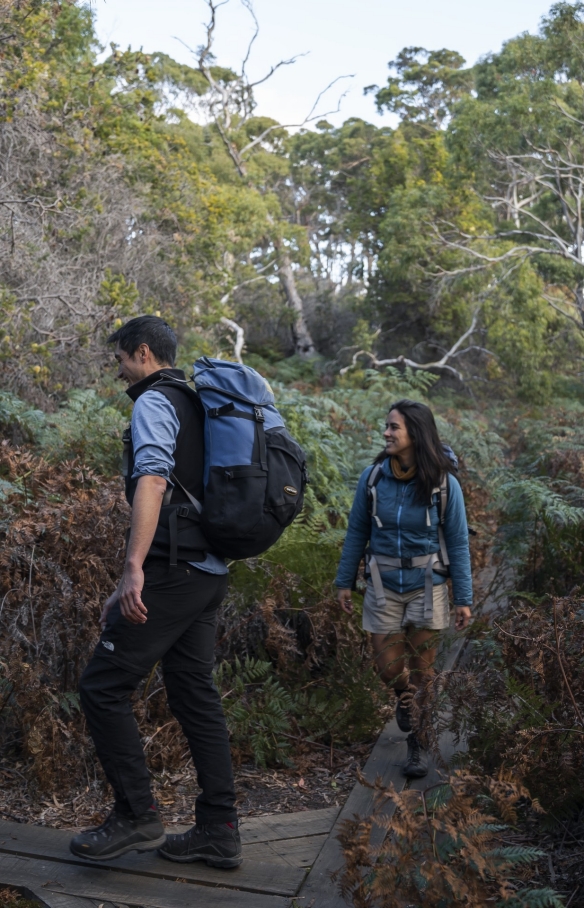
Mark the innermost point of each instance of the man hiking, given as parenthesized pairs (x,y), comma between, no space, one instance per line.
(160,612)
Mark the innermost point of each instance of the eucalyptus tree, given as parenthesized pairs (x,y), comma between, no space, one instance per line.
(105,208)
(522,136)
(255,146)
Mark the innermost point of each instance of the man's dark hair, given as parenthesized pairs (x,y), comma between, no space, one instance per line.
(147,329)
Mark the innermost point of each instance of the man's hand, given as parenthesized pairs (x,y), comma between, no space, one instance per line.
(345,601)
(130,594)
(145,511)
(463,616)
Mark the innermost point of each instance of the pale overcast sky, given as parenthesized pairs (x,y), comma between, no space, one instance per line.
(340,37)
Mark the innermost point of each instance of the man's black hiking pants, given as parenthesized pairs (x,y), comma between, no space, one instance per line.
(182,605)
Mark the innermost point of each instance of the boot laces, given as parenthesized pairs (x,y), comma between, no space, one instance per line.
(108,826)
(415,748)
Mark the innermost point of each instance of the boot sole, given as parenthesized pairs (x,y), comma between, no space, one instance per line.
(221,863)
(140,847)
(415,773)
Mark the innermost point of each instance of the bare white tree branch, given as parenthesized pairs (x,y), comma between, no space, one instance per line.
(239,340)
(441,365)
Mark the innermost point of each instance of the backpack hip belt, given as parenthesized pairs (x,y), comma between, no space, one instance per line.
(432,562)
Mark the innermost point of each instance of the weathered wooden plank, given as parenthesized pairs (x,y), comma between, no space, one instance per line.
(300,852)
(275,826)
(295,852)
(46,877)
(288,825)
(385,762)
(58,900)
(53,845)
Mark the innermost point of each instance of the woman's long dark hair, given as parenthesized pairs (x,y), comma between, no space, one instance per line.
(431,461)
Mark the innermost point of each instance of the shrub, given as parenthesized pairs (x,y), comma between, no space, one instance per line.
(442,847)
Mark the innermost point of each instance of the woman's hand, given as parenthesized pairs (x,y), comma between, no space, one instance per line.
(463,616)
(345,601)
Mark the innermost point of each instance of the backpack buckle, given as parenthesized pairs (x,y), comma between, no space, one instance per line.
(214,412)
(183,511)
(259,414)
(406,564)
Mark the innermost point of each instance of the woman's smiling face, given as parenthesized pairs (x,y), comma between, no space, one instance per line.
(397,439)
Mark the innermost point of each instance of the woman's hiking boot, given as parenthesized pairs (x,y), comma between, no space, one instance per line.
(119,833)
(416,765)
(218,844)
(403,711)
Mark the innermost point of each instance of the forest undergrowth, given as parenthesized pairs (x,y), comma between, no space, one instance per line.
(301,700)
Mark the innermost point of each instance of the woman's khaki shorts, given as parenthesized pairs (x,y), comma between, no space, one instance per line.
(404,609)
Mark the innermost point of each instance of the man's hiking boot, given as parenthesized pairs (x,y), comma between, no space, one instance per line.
(416,765)
(403,712)
(218,844)
(118,834)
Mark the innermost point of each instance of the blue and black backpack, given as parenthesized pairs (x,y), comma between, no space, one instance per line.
(255,473)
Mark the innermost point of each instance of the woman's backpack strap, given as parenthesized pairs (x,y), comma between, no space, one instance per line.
(372,480)
(442,492)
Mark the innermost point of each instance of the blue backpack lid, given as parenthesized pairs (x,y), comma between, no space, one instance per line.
(232,379)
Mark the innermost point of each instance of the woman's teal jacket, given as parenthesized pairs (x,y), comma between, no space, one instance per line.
(405,533)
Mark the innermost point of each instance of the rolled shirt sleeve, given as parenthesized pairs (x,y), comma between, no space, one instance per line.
(155,428)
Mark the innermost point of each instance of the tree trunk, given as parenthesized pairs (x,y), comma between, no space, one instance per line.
(303,343)
(580,300)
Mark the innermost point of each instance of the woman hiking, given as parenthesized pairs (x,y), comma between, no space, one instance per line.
(409,509)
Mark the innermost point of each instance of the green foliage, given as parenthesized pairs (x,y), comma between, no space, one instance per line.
(427,85)
(541,501)
(18,418)
(530,508)
(348,710)
(88,427)
(118,293)
(257,709)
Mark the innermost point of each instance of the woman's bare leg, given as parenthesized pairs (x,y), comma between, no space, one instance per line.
(389,651)
(422,648)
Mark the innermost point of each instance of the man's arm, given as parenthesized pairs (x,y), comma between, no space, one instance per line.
(155,427)
(145,512)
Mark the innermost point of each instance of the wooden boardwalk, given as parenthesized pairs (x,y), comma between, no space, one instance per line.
(288,858)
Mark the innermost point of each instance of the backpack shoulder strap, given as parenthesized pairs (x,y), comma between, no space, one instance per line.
(372,480)
(176,384)
(169,382)
(442,502)
(443,498)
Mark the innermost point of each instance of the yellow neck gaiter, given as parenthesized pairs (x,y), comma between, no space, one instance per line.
(398,472)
